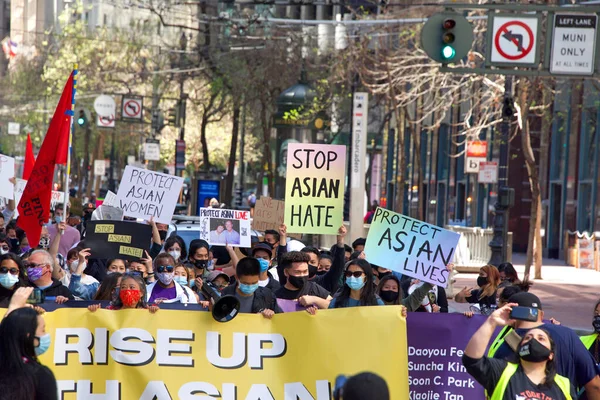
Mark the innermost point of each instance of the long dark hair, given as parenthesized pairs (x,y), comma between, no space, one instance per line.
(176,239)
(510,272)
(118,303)
(105,291)
(367,293)
(393,278)
(18,261)
(17,331)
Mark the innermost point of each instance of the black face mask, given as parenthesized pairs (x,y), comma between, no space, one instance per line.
(596,323)
(14,243)
(312,271)
(323,272)
(298,281)
(200,264)
(481,281)
(534,351)
(163,235)
(389,296)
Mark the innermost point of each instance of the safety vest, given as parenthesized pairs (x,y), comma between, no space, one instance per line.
(563,383)
(498,341)
(588,340)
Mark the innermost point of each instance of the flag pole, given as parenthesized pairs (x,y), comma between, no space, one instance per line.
(70,148)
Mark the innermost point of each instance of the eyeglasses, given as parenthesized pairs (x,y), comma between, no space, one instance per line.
(33,265)
(162,268)
(356,274)
(13,271)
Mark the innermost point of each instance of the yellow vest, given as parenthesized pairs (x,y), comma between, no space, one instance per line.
(588,340)
(498,341)
(563,383)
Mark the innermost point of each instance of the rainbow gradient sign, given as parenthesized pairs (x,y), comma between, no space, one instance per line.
(314,190)
(411,247)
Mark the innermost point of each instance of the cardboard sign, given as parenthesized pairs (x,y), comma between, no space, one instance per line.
(314,191)
(7,171)
(56,199)
(269,214)
(220,227)
(410,246)
(118,239)
(144,194)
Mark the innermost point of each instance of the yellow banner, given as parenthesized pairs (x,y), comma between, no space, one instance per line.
(132,354)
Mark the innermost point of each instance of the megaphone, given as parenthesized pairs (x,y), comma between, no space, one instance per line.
(226,307)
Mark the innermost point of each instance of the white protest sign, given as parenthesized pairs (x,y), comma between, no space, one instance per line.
(7,171)
(410,246)
(144,194)
(56,199)
(110,199)
(221,227)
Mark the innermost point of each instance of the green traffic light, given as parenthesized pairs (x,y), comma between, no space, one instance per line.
(448,52)
(80,121)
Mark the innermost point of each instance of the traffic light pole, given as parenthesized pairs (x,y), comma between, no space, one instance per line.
(499,243)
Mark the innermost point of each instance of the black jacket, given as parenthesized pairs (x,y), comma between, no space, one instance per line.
(6,294)
(58,289)
(263,299)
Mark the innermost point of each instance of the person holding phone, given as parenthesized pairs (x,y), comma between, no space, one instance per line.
(572,360)
(532,375)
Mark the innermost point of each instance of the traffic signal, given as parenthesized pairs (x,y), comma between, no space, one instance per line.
(173,116)
(508,107)
(447,37)
(82,117)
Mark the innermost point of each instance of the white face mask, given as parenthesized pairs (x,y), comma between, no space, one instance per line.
(74,265)
(175,254)
(2,251)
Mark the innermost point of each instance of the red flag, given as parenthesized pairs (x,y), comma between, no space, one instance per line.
(34,207)
(29,159)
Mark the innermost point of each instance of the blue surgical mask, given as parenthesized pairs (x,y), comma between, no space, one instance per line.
(264,264)
(355,283)
(58,219)
(182,280)
(8,280)
(44,345)
(192,283)
(248,289)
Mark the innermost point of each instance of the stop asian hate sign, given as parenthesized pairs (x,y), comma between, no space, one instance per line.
(314,192)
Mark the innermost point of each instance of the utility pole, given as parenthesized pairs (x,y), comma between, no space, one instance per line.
(240,190)
(506,195)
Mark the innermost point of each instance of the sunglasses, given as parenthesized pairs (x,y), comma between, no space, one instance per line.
(356,274)
(33,265)
(13,271)
(162,268)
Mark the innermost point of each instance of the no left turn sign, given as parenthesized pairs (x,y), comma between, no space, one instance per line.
(132,108)
(514,40)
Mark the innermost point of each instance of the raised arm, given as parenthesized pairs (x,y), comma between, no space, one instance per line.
(332,278)
(281,250)
(478,343)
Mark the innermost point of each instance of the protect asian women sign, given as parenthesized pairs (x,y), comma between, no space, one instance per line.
(132,354)
(412,247)
(314,189)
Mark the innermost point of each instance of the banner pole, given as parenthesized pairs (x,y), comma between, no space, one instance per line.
(70,148)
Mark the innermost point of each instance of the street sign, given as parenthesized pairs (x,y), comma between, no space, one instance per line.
(105,121)
(476,153)
(152,150)
(488,172)
(105,106)
(132,108)
(130,160)
(573,44)
(514,40)
(14,128)
(99,167)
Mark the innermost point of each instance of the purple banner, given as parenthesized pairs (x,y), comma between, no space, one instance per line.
(289,305)
(435,347)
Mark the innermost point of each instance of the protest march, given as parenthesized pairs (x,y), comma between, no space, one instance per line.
(125,297)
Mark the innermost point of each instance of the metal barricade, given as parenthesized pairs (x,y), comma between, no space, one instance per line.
(473,250)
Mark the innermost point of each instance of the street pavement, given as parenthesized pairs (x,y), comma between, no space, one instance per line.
(567,293)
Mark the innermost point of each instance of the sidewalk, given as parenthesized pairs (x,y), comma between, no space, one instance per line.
(567,293)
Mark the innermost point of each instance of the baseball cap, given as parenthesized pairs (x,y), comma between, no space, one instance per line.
(215,274)
(263,246)
(526,299)
(89,206)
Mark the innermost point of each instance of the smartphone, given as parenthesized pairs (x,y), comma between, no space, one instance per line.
(36,297)
(524,313)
